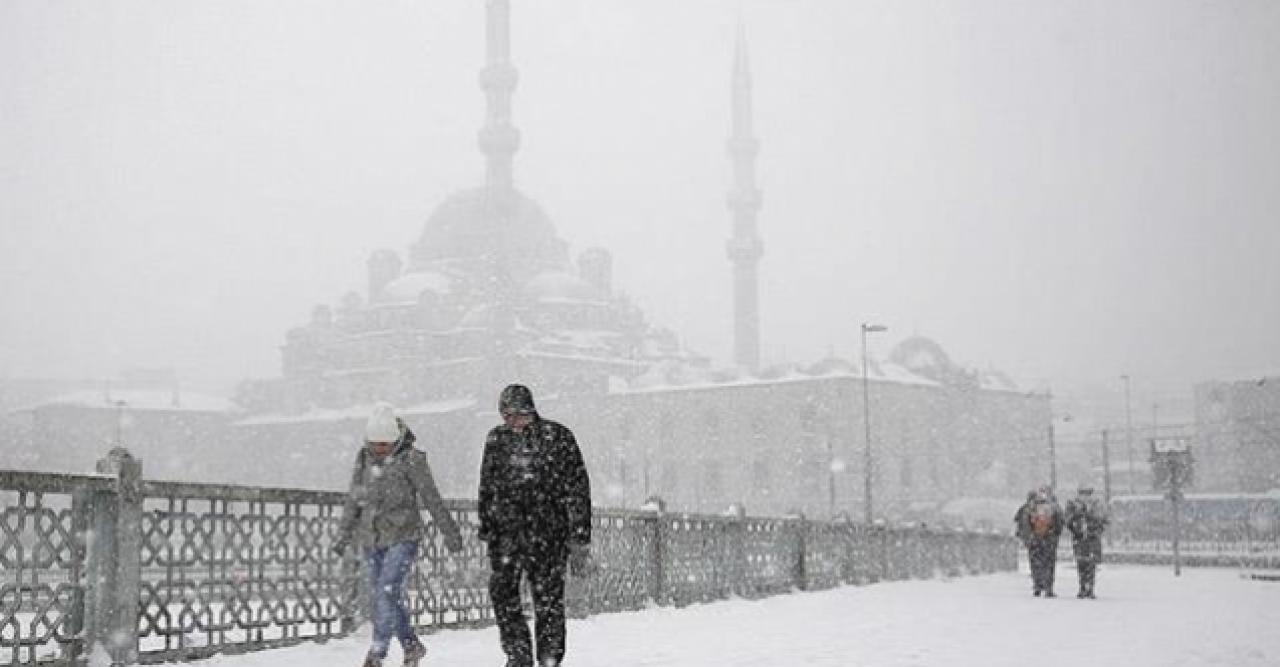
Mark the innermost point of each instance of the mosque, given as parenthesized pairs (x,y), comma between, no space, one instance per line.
(440,329)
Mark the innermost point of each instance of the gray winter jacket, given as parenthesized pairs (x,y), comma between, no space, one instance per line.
(383,507)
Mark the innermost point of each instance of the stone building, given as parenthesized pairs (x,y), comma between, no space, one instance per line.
(1237,440)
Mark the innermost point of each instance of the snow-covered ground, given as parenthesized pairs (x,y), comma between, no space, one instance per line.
(1144,616)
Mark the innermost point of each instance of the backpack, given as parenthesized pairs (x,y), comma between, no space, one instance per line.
(1041,520)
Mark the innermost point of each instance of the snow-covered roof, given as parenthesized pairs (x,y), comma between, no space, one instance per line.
(358,412)
(139,399)
(891,372)
(665,378)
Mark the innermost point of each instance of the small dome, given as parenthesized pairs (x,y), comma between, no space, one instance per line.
(926,358)
(558,286)
(921,354)
(409,286)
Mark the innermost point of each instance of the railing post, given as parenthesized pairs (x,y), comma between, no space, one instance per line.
(881,539)
(116,566)
(81,626)
(735,552)
(799,576)
(657,556)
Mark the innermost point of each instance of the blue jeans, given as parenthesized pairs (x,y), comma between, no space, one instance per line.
(388,568)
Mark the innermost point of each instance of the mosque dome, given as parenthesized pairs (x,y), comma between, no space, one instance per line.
(467,226)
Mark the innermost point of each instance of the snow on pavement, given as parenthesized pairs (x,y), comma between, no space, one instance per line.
(1144,616)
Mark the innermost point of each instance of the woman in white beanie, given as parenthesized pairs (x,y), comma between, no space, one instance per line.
(383,513)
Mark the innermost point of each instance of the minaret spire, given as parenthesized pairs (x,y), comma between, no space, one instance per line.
(499,139)
(744,246)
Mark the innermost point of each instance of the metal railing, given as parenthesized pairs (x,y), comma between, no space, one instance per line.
(151,572)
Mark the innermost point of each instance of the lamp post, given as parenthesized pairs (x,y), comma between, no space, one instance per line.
(1053,448)
(866,419)
(1053,460)
(119,405)
(1106,467)
(1128,427)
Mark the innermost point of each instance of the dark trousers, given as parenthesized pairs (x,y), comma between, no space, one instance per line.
(545,569)
(1088,554)
(1043,555)
(1086,568)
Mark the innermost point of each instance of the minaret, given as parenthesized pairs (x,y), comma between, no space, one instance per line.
(744,246)
(499,139)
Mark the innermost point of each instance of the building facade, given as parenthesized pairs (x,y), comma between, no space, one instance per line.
(1237,440)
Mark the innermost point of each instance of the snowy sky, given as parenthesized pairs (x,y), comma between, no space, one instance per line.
(1066,191)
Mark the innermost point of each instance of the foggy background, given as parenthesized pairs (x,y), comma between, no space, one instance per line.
(1062,191)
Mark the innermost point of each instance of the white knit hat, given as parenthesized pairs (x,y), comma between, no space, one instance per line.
(382,426)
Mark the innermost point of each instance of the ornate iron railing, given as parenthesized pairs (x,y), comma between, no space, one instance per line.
(44,537)
(151,572)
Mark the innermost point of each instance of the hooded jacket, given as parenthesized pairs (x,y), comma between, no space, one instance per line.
(386,498)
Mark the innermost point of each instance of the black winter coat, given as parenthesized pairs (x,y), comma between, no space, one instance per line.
(534,487)
(1087,519)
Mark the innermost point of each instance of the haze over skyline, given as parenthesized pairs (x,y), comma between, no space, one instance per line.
(1064,193)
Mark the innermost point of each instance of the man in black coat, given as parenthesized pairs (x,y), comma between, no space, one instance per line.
(1086,519)
(535,517)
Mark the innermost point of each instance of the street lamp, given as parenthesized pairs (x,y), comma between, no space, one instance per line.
(1128,427)
(1053,450)
(119,405)
(866,418)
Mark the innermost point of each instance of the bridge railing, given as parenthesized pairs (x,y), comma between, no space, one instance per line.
(148,571)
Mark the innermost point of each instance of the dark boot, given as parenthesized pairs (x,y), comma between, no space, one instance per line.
(413,653)
(372,660)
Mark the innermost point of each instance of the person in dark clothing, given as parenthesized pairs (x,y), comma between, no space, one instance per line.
(1086,518)
(1041,523)
(383,514)
(1021,528)
(535,517)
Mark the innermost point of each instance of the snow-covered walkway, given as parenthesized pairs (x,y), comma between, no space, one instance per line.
(1144,616)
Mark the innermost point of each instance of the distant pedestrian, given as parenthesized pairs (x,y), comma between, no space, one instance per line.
(1040,524)
(535,516)
(1086,518)
(383,514)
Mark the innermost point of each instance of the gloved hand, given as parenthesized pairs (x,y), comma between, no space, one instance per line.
(453,542)
(339,546)
(580,563)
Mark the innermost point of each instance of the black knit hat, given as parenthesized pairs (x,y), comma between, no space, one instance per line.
(516,399)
